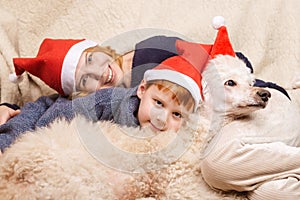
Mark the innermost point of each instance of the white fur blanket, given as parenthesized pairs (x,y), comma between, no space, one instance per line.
(103,161)
(265,31)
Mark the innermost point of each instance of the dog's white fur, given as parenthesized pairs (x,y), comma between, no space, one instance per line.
(229,93)
(53,162)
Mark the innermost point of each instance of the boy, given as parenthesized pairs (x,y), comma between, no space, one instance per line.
(163,100)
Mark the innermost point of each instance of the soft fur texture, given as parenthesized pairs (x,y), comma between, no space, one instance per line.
(229,93)
(53,163)
(61,161)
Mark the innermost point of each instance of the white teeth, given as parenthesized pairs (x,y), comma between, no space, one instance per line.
(109,76)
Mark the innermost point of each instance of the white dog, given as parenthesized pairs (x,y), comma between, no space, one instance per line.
(247,154)
(228,91)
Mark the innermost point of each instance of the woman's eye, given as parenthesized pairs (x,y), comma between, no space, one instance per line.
(230,83)
(177,115)
(89,58)
(84,80)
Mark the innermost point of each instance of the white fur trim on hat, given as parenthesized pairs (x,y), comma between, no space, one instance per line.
(178,78)
(70,63)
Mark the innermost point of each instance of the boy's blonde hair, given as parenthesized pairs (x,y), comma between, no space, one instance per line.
(180,94)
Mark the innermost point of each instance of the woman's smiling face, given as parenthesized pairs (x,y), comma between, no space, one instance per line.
(96,70)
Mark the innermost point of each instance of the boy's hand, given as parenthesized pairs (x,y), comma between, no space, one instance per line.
(6,113)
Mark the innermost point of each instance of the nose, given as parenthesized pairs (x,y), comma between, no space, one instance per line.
(161,117)
(161,120)
(264,94)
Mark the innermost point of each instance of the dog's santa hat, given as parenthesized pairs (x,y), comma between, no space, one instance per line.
(204,52)
(222,43)
(55,63)
(180,71)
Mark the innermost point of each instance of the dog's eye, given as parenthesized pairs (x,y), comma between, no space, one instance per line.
(230,83)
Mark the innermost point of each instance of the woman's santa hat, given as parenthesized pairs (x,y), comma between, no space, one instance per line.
(55,63)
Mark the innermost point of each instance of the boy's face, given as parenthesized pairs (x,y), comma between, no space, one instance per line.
(96,70)
(158,110)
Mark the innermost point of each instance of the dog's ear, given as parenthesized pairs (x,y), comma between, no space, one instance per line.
(241,56)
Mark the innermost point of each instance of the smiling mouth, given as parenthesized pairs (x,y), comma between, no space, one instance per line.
(154,128)
(110,75)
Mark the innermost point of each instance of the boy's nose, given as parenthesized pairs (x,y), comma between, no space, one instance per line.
(161,119)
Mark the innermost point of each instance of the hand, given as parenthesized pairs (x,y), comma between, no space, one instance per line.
(6,113)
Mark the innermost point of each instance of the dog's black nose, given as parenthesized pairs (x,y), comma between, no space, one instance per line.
(264,95)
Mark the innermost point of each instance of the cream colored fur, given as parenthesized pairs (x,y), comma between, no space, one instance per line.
(54,163)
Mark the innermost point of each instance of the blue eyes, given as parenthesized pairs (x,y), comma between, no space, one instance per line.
(84,80)
(89,58)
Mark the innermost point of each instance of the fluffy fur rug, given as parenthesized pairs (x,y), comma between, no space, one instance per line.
(83,160)
(60,163)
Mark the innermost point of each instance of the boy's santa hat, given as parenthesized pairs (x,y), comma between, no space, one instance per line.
(180,71)
(185,70)
(55,63)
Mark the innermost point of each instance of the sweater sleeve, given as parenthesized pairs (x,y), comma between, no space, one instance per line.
(12,106)
(45,110)
(110,104)
(94,107)
(237,165)
(25,121)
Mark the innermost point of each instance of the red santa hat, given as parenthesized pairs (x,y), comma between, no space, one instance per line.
(199,54)
(179,70)
(185,70)
(55,63)
(222,43)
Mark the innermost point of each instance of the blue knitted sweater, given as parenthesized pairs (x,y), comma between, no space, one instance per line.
(114,104)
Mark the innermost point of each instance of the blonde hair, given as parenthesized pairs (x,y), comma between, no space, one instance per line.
(109,51)
(180,94)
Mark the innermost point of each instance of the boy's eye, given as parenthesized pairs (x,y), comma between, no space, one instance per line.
(158,103)
(177,115)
